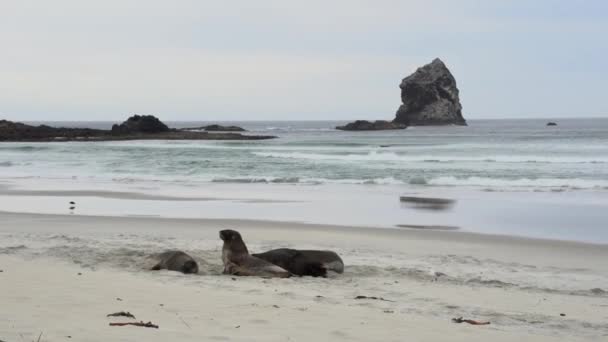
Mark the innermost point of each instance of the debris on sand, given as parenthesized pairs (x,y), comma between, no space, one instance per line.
(374,298)
(137,324)
(470,321)
(121,314)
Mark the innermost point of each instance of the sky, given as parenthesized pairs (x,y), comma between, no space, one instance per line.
(297,60)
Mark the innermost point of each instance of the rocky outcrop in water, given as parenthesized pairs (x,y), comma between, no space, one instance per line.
(216,128)
(430,97)
(140,124)
(363,125)
(17,131)
(137,127)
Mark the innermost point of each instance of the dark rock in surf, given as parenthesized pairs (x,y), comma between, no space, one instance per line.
(551,124)
(430,97)
(137,127)
(215,128)
(17,131)
(363,125)
(220,128)
(140,124)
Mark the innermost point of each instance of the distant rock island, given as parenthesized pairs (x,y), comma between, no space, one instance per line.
(362,125)
(429,96)
(137,127)
(216,128)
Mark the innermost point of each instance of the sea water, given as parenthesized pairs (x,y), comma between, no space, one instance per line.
(561,170)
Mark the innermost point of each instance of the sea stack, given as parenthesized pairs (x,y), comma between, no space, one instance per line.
(430,97)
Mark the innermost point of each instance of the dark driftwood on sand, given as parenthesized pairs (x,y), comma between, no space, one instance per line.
(121,314)
(470,321)
(137,324)
(374,298)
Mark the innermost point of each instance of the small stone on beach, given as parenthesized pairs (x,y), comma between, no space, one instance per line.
(562,314)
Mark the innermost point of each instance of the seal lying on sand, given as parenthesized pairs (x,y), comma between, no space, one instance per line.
(304,262)
(176,261)
(238,261)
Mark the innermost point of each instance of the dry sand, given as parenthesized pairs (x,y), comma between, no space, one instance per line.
(61,276)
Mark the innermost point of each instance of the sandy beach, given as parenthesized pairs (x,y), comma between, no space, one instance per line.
(61,275)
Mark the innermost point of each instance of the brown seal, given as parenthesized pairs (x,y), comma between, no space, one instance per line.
(176,261)
(238,261)
(304,262)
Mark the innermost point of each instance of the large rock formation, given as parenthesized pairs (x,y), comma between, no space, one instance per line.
(430,97)
(140,124)
(362,125)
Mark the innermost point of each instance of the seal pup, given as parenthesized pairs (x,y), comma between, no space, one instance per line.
(176,261)
(304,262)
(238,261)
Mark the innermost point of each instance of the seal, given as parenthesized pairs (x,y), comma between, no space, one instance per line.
(176,261)
(238,261)
(304,262)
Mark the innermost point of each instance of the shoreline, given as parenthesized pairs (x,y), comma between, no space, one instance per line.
(574,216)
(440,233)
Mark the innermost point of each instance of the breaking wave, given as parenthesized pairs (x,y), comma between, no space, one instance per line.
(570,183)
(395,157)
(308,181)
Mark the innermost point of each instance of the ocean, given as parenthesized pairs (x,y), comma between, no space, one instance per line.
(531,179)
(488,154)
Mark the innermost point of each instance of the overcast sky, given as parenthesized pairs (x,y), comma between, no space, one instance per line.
(286,60)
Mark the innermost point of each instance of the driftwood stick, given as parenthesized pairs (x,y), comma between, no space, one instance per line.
(121,314)
(374,298)
(137,324)
(470,321)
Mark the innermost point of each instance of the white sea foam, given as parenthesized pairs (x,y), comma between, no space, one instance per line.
(395,157)
(520,182)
